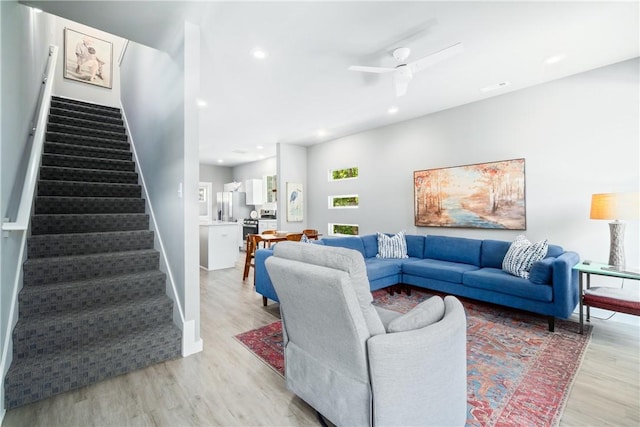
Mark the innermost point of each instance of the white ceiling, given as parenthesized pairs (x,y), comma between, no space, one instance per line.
(304,85)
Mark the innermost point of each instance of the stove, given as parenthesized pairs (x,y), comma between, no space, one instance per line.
(249,226)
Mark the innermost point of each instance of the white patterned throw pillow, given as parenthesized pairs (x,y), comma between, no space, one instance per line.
(392,246)
(522,254)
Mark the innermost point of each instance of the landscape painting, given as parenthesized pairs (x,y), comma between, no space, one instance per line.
(484,195)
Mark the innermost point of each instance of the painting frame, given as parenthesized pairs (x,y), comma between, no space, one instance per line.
(295,202)
(87,59)
(490,195)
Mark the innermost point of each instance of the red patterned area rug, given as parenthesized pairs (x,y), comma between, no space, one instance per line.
(518,373)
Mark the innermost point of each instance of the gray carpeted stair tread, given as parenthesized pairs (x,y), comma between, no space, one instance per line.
(57,331)
(69,112)
(93,125)
(89,141)
(86,151)
(87,162)
(42,271)
(87,189)
(85,106)
(43,376)
(64,296)
(61,205)
(56,173)
(48,245)
(77,130)
(88,223)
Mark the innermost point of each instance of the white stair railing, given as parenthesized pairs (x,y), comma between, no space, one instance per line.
(26,199)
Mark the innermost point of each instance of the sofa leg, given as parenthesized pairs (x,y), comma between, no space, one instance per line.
(407,289)
(390,290)
(552,323)
(264,301)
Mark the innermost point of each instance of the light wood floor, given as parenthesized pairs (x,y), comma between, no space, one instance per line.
(226,385)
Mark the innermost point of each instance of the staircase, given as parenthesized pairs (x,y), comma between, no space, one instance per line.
(93,304)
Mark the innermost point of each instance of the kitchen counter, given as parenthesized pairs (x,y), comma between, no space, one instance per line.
(218,245)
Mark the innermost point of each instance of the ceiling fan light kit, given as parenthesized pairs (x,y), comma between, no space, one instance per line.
(403,72)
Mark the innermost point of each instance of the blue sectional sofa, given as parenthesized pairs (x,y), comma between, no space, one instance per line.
(469,268)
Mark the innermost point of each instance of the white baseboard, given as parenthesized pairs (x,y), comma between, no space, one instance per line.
(190,343)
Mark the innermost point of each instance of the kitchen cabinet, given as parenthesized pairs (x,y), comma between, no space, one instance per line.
(270,188)
(267,224)
(253,188)
(219,245)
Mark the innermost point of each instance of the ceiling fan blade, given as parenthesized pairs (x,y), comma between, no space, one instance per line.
(371,69)
(434,58)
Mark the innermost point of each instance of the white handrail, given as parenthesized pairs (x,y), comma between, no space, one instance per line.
(26,199)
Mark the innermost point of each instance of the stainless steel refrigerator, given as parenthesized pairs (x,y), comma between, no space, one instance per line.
(232,206)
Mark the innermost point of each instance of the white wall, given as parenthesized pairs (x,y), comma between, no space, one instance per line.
(292,167)
(217,175)
(578,135)
(154,95)
(84,91)
(25,37)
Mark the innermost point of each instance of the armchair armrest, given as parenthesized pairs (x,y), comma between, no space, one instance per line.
(419,377)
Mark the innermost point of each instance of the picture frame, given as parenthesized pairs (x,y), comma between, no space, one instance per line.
(295,202)
(87,59)
(482,195)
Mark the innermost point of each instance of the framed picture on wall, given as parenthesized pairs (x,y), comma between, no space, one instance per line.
(295,205)
(87,59)
(483,195)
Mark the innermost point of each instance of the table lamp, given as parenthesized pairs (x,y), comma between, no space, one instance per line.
(615,206)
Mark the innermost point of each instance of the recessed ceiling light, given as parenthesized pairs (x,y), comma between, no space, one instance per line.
(36,10)
(261,156)
(259,53)
(555,58)
(392,110)
(259,147)
(201,103)
(500,85)
(321,133)
(220,161)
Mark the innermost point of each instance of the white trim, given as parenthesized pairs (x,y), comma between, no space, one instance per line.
(189,343)
(154,224)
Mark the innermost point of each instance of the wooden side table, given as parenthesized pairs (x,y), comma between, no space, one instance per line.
(614,299)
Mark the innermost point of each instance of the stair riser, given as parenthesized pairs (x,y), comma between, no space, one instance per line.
(63,224)
(64,205)
(56,111)
(80,331)
(57,375)
(80,151)
(84,123)
(85,189)
(55,127)
(85,141)
(87,163)
(84,244)
(53,299)
(87,175)
(69,104)
(41,271)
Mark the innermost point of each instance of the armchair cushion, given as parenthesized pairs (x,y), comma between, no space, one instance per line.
(424,314)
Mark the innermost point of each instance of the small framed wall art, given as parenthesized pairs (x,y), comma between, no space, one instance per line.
(87,59)
(483,195)
(295,199)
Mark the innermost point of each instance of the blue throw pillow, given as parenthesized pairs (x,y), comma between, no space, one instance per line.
(542,271)
(522,254)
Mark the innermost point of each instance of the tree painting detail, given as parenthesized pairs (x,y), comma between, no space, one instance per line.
(484,195)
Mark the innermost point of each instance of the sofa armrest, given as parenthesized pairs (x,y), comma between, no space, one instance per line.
(565,284)
(419,377)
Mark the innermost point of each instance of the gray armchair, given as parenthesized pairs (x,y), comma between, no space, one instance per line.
(360,365)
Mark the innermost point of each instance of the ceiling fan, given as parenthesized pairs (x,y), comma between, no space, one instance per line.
(403,72)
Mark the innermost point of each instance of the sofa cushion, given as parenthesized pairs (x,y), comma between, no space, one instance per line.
(497,280)
(383,267)
(415,245)
(435,269)
(542,271)
(493,252)
(370,243)
(454,249)
(522,254)
(424,314)
(351,242)
(394,246)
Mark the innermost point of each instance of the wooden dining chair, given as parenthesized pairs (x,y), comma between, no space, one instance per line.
(294,237)
(253,240)
(310,233)
(269,232)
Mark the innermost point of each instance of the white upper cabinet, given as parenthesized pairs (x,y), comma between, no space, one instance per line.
(253,188)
